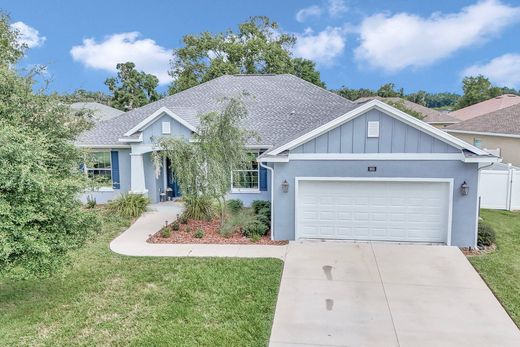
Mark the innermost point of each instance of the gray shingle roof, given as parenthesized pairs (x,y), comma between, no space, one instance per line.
(503,121)
(280,108)
(100,112)
(430,115)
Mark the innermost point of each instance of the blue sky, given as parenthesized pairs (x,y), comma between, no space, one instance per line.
(425,45)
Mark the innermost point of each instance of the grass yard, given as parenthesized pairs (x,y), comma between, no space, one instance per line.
(501,269)
(106,299)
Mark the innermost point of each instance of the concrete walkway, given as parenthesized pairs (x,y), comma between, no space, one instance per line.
(382,294)
(133,240)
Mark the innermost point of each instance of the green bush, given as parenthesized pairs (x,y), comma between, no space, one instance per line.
(129,205)
(175,226)
(199,233)
(199,207)
(235,205)
(255,227)
(486,234)
(166,232)
(255,238)
(264,215)
(91,202)
(227,229)
(258,205)
(183,219)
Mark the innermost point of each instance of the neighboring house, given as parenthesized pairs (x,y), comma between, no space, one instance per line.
(487,106)
(433,117)
(497,132)
(331,168)
(99,111)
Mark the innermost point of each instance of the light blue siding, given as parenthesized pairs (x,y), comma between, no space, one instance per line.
(464,207)
(155,129)
(394,137)
(102,197)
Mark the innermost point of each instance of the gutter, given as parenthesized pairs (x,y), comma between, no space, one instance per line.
(272,196)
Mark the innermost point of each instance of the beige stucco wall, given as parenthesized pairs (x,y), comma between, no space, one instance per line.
(509,147)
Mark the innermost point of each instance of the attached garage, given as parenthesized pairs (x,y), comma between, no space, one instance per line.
(409,210)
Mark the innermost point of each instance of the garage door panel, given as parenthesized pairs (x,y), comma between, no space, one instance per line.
(379,210)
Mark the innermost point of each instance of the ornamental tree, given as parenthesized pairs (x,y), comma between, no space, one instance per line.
(203,166)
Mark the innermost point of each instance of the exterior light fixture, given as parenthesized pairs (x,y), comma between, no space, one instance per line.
(464,188)
(285,186)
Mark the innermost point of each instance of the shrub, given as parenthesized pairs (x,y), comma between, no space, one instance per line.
(264,215)
(199,207)
(187,229)
(228,228)
(129,205)
(486,234)
(91,202)
(258,205)
(255,227)
(255,238)
(166,232)
(183,219)
(199,233)
(175,226)
(235,205)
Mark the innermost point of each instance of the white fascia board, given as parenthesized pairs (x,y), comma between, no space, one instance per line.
(389,110)
(482,159)
(482,133)
(257,146)
(283,159)
(148,120)
(140,139)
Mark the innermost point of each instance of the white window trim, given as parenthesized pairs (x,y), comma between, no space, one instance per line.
(247,190)
(450,181)
(102,188)
(166,128)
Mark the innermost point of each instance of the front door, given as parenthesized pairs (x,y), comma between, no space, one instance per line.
(170,181)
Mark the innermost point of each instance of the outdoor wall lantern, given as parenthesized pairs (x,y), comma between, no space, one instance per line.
(285,186)
(464,188)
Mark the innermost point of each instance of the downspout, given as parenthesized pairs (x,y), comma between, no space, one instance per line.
(272,196)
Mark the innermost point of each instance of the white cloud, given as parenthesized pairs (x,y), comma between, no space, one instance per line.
(322,47)
(406,40)
(503,70)
(28,36)
(147,55)
(336,7)
(304,13)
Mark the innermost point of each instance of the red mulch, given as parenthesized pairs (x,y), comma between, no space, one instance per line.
(211,235)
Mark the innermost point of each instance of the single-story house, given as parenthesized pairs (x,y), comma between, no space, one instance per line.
(497,132)
(433,117)
(332,169)
(486,106)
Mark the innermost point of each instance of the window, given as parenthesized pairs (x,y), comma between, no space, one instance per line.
(166,128)
(477,143)
(99,168)
(246,179)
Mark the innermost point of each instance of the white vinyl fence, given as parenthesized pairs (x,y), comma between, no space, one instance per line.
(500,189)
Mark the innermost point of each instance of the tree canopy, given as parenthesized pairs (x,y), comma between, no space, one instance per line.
(132,88)
(258,47)
(41,218)
(477,89)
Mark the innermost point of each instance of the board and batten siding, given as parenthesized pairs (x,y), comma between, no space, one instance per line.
(394,137)
(154,130)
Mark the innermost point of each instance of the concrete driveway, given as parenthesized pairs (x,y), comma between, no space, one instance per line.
(381,294)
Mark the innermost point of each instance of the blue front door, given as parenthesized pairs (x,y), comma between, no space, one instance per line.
(170,180)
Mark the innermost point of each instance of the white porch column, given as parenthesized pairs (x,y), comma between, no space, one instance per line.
(137,183)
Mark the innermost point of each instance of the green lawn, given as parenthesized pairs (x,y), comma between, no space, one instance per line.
(501,269)
(104,299)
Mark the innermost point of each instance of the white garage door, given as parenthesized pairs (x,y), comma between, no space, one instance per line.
(373,210)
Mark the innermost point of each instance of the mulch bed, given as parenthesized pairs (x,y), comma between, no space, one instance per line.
(211,235)
(468,252)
